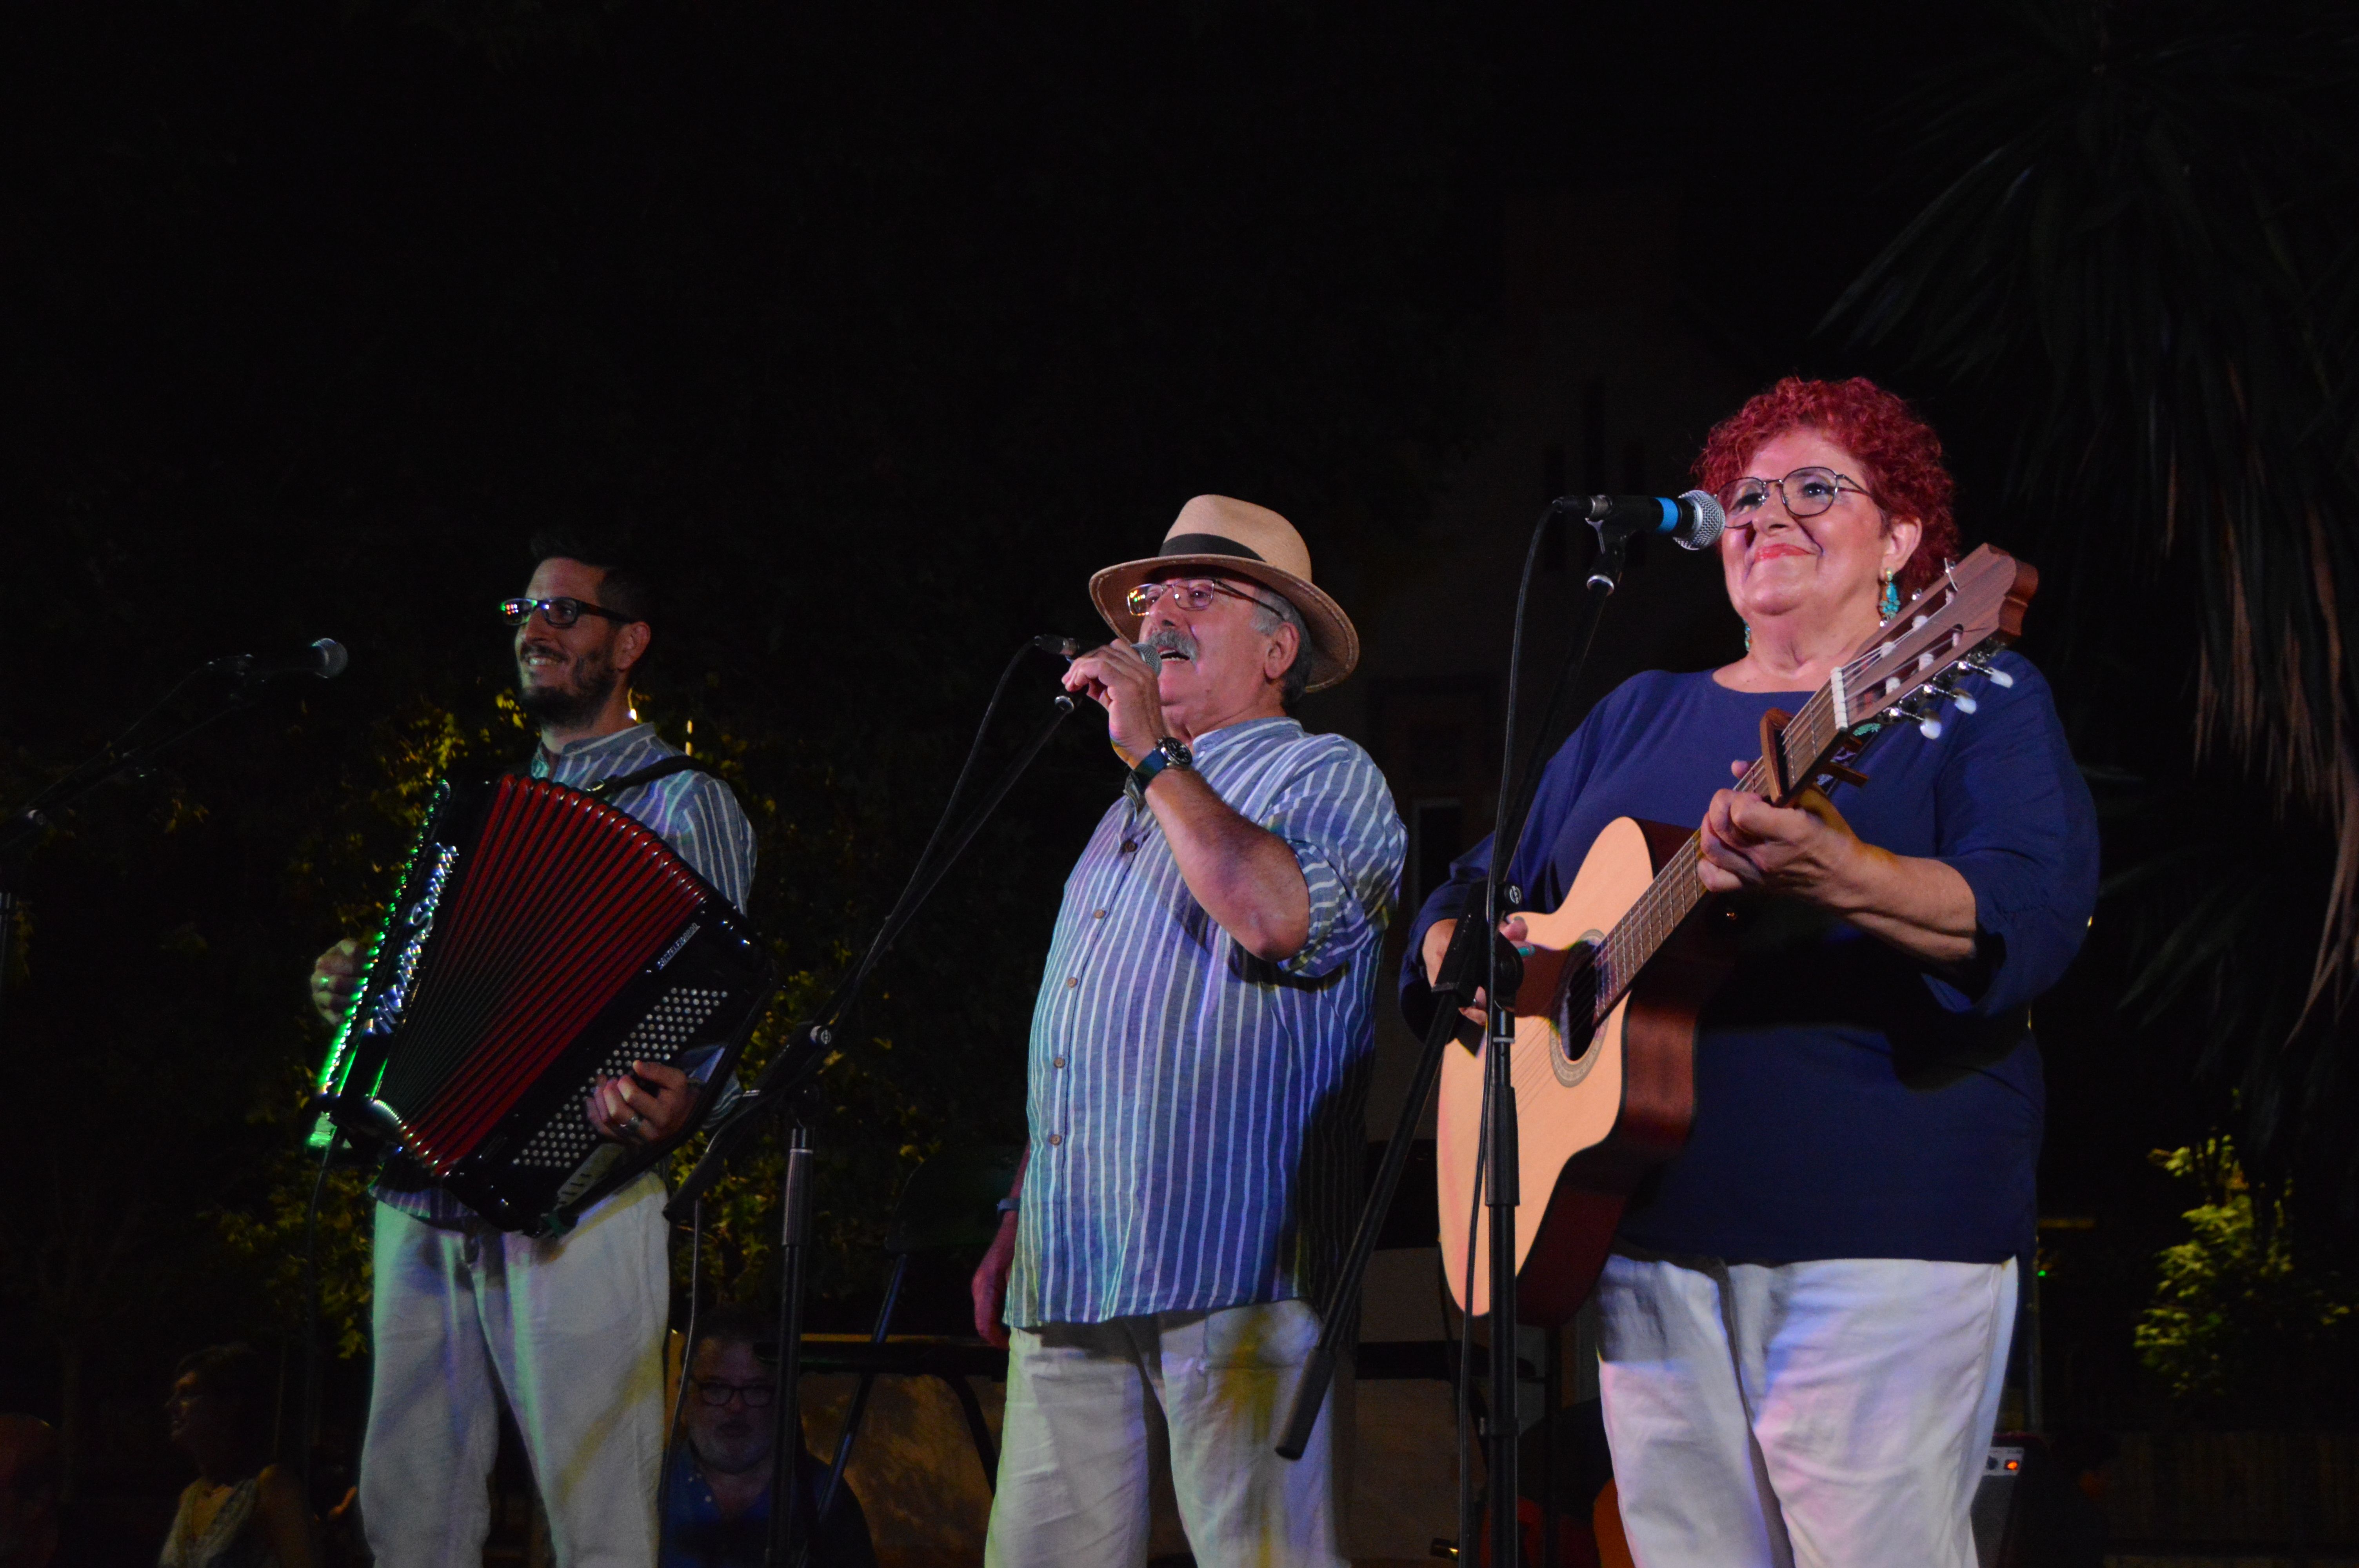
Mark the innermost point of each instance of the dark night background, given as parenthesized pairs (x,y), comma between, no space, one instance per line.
(879,327)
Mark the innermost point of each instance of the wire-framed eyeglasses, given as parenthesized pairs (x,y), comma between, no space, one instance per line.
(1805,492)
(1194,595)
(757,1396)
(558,613)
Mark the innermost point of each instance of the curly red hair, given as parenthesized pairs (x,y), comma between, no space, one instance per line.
(1898,452)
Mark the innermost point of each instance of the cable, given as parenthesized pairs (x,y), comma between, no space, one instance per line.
(311,1423)
(1468,1527)
(890,926)
(687,1356)
(1506,830)
(799,1056)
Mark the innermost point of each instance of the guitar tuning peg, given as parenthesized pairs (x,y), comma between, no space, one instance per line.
(1965,704)
(1981,665)
(1929,728)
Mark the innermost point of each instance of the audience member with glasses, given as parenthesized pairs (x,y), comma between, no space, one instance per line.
(567,1333)
(717,1484)
(1804,1325)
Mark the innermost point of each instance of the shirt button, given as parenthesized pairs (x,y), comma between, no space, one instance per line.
(1055,1139)
(1056,1061)
(1097,915)
(1072,980)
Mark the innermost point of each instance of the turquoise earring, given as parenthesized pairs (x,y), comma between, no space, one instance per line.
(1891,597)
(1748,636)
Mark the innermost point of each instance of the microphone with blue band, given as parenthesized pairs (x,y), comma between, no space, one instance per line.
(1693,521)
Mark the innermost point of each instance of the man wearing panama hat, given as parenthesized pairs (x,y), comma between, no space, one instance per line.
(1198,1071)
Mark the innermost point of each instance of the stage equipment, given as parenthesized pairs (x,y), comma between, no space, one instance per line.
(323,660)
(540,943)
(1692,522)
(1478,959)
(786,1085)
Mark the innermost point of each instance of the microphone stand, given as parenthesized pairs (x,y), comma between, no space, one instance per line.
(22,826)
(1501,970)
(786,1086)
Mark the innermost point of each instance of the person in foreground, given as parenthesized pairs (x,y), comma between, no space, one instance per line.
(717,1487)
(241,1511)
(1806,1317)
(1197,1073)
(568,1331)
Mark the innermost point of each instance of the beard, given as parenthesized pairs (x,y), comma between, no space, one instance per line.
(730,1447)
(589,681)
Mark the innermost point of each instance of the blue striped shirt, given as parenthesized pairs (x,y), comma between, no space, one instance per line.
(694,813)
(1198,1113)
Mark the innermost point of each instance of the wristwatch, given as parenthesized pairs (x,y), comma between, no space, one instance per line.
(1170,752)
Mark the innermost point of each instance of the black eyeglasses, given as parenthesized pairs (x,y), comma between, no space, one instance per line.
(558,612)
(757,1396)
(1805,492)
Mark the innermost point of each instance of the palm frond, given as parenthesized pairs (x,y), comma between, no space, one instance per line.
(2148,255)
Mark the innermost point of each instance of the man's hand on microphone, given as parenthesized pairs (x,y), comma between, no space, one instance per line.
(1127,687)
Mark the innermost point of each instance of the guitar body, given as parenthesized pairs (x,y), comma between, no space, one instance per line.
(1595,1111)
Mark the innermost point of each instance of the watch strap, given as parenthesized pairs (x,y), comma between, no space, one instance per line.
(1169,753)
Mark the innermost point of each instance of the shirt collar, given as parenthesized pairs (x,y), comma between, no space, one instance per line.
(1218,740)
(581,752)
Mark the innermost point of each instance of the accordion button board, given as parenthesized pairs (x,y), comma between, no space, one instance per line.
(539,941)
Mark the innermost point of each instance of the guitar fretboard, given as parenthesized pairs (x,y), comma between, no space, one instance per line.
(1676,890)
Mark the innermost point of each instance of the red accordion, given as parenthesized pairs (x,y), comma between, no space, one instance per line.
(540,942)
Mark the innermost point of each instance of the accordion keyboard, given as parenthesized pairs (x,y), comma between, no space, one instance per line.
(660,1036)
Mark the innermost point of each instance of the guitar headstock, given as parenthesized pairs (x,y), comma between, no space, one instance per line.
(1969,614)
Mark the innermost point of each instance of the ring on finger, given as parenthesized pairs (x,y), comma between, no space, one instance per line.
(631,1125)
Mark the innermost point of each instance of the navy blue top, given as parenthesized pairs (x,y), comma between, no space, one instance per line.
(696,1536)
(1849,1103)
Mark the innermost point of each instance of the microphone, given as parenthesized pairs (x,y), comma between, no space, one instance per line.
(1070,648)
(1694,521)
(325,659)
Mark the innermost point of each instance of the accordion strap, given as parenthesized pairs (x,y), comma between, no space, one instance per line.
(608,788)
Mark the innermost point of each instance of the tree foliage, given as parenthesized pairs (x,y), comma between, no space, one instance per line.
(2238,1331)
(2143,255)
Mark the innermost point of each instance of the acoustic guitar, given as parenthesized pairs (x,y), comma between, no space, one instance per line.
(1604,1046)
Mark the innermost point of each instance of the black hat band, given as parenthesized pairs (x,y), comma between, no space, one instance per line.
(1205,545)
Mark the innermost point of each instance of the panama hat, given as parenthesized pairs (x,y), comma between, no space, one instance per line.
(1236,538)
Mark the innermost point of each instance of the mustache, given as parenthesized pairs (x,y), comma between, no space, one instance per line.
(1173,639)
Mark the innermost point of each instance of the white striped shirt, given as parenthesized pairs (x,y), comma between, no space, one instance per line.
(694,813)
(1198,1113)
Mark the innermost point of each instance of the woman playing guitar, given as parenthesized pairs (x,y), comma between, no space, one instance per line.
(1806,1315)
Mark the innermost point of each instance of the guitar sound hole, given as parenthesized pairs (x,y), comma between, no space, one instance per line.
(1577,1038)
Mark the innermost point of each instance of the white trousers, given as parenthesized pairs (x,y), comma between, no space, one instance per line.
(571,1331)
(1826,1415)
(1082,1401)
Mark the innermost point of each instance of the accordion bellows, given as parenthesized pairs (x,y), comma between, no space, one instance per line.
(541,940)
